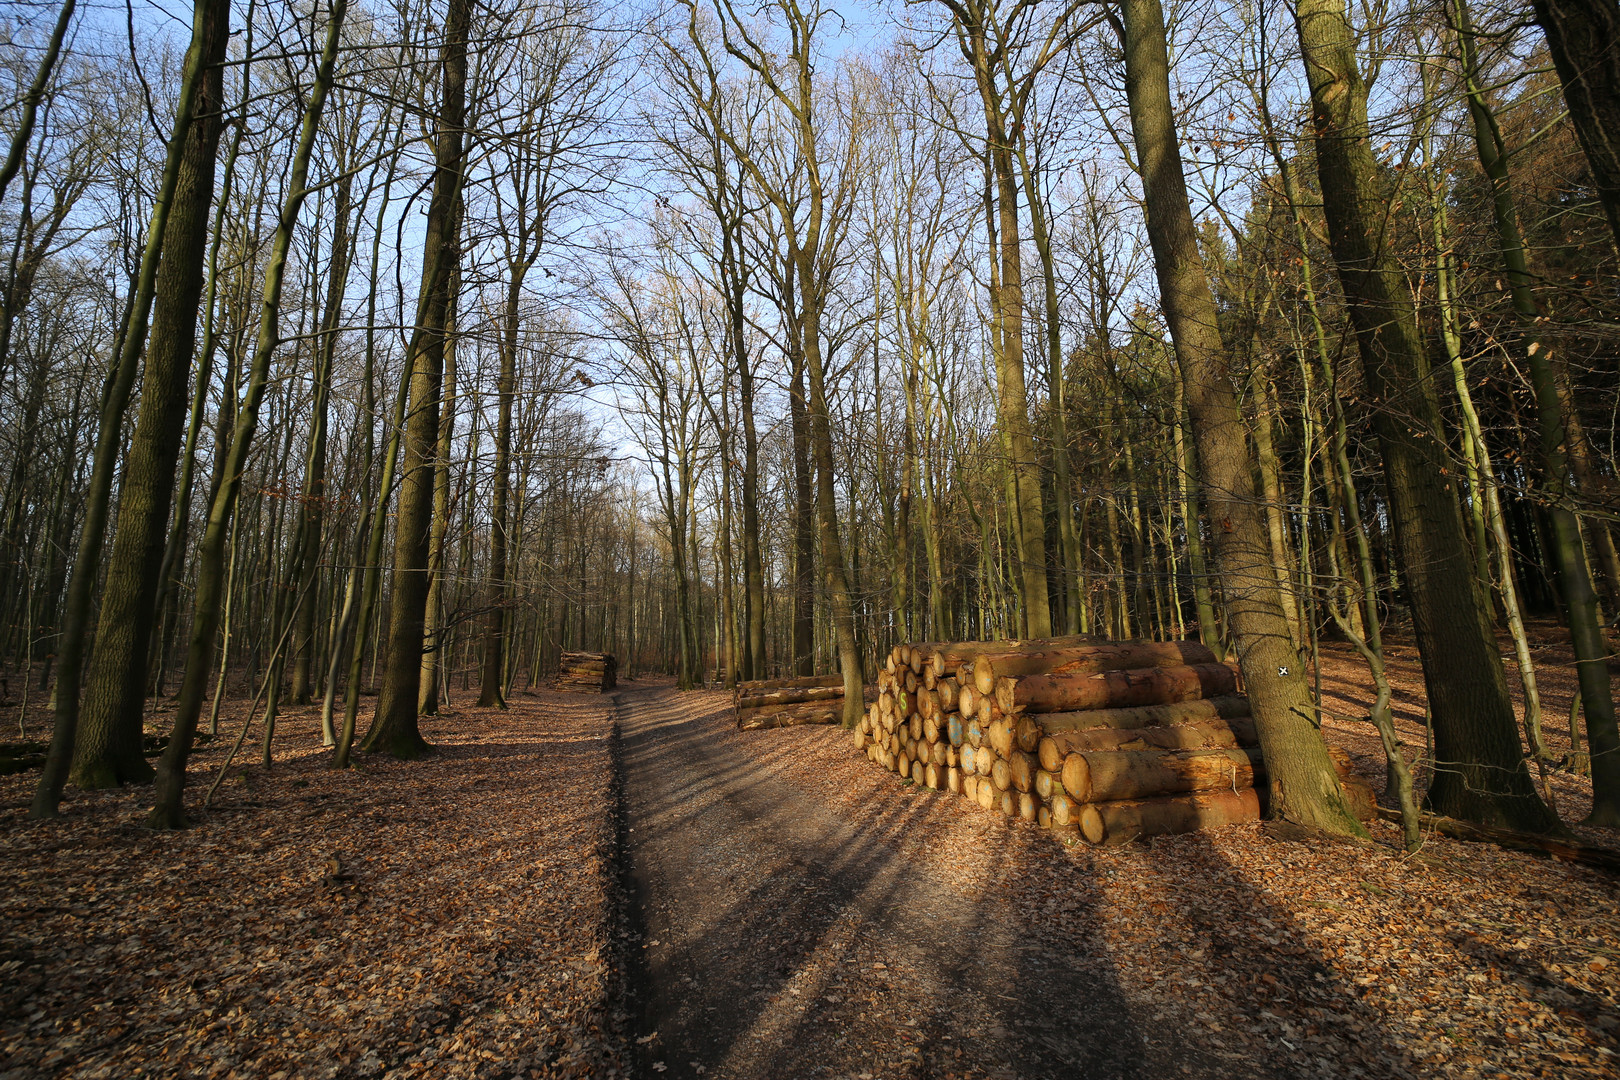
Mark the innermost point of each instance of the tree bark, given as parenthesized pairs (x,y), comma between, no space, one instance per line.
(108,751)
(394,727)
(1304,786)
(313,508)
(1481,773)
(168,811)
(433,652)
(1584,38)
(1574,578)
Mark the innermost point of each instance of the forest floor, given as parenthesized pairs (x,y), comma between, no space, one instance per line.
(627,885)
(470,931)
(805,913)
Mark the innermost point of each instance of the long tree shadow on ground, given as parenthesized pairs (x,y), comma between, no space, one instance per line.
(794,941)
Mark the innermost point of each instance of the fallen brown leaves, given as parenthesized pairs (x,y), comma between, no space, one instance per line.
(449,917)
(1281,957)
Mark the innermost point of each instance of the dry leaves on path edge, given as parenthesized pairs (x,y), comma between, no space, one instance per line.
(452,916)
(1278,958)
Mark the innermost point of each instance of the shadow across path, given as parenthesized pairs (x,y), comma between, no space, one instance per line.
(783,938)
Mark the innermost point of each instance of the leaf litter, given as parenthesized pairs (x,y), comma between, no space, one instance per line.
(450,917)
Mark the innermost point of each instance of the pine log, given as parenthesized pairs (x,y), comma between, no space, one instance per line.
(955,729)
(1119,689)
(789,695)
(1044,783)
(749,712)
(1223,707)
(800,682)
(953,780)
(1085,660)
(1062,808)
(999,736)
(1144,774)
(1022,768)
(948,654)
(1223,734)
(777,716)
(1122,822)
(1001,774)
(1028,806)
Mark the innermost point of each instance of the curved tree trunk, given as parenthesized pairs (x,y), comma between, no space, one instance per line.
(1304,785)
(168,811)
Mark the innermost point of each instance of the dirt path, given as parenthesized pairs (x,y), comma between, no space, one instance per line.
(784,939)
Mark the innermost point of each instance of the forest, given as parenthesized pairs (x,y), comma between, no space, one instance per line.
(352,350)
(362,359)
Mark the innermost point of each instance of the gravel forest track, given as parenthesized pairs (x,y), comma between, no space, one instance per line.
(779,938)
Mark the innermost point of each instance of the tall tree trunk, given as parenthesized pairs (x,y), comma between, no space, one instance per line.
(832,548)
(168,811)
(1574,578)
(1012,398)
(313,500)
(433,627)
(1186,467)
(199,105)
(804,506)
(1007,299)
(394,727)
(1304,785)
(1271,488)
(167,603)
(491,692)
(1481,773)
(753,559)
(1584,38)
(1057,400)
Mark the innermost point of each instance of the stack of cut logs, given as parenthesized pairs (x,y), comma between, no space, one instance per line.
(588,672)
(770,703)
(1108,740)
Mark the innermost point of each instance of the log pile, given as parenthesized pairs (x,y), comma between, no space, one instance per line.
(1109,741)
(772,703)
(588,672)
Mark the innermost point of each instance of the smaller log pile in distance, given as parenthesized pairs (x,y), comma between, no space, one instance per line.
(771,703)
(1109,741)
(588,672)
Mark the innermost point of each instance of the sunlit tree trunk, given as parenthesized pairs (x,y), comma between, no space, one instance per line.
(1304,785)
